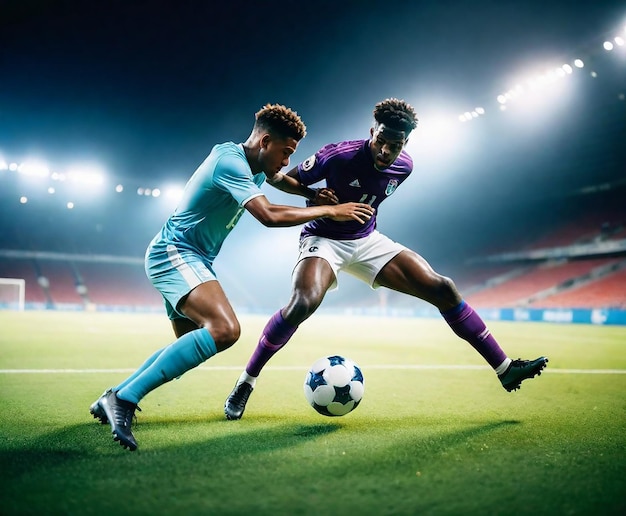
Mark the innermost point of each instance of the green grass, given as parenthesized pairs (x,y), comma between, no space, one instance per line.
(429,438)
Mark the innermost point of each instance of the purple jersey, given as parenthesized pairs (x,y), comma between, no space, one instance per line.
(348,168)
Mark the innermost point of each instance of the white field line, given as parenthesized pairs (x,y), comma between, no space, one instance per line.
(304,368)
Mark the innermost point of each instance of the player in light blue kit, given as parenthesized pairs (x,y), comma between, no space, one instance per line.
(179,260)
(368,171)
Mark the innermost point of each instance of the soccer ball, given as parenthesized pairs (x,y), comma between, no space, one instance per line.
(334,386)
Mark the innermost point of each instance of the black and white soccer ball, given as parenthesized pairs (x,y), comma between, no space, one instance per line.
(334,385)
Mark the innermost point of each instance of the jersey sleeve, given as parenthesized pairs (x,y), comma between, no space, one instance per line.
(312,170)
(233,175)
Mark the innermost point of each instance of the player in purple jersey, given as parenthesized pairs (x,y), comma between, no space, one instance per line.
(179,260)
(368,171)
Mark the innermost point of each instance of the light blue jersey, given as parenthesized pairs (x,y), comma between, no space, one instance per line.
(212,202)
(181,255)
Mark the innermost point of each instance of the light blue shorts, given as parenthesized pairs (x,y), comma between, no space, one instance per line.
(176,272)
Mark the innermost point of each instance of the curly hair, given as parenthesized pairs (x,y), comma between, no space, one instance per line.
(396,114)
(281,121)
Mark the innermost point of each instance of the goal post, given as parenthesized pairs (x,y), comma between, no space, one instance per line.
(12,293)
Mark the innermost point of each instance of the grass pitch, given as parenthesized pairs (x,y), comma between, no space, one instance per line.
(434,434)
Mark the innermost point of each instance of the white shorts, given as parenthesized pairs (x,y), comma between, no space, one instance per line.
(364,258)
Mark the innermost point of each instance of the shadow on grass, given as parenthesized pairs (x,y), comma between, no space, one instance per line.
(80,465)
(90,442)
(93,442)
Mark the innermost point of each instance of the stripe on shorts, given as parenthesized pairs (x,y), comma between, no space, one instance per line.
(181,266)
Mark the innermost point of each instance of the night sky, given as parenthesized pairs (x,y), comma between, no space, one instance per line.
(146,88)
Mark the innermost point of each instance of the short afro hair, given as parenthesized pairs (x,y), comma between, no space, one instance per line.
(281,121)
(396,114)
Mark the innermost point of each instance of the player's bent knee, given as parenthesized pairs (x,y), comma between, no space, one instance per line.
(302,306)
(225,334)
(445,292)
(303,309)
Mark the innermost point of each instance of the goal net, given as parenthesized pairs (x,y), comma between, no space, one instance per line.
(12,293)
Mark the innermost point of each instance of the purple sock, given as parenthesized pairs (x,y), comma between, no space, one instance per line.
(276,334)
(468,325)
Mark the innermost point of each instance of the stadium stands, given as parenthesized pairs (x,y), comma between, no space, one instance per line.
(606,292)
(519,290)
(115,284)
(61,282)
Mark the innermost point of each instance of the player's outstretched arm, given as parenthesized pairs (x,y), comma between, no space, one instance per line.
(278,215)
(290,183)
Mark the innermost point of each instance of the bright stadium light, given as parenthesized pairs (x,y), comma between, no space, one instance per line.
(119,188)
(23,199)
(85,174)
(70,205)
(437,137)
(174,192)
(578,63)
(608,46)
(33,169)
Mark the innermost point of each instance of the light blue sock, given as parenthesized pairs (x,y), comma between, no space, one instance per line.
(141,369)
(180,356)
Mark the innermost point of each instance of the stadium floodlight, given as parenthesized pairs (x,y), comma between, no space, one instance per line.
(619,41)
(33,169)
(608,46)
(440,136)
(23,199)
(70,205)
(4,165)
(470,115)
(119,188)
(174,192)
(578,63)
(85,174)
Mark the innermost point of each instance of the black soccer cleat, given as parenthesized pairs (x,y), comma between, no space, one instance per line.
(520,370)
(97,411)
(236,403)
(120,415)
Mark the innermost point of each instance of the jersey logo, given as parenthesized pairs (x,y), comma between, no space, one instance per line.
(308,163)
(391,186)
(313,249)
(356,183)
(235,219)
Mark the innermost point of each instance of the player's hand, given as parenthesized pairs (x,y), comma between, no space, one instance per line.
(325,196)
(352,211)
